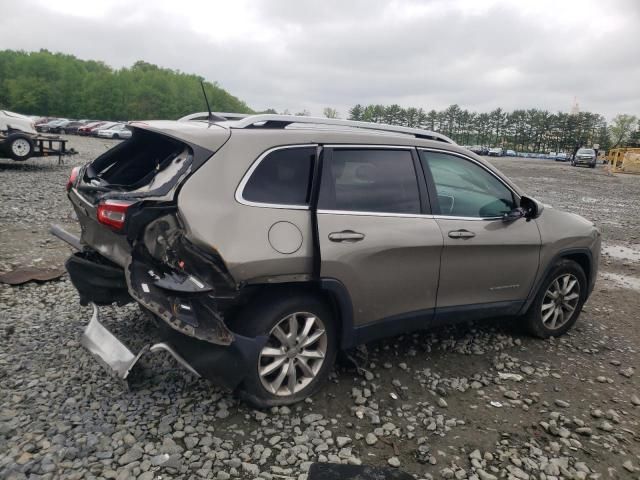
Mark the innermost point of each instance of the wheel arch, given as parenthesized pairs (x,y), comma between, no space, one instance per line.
(582,256)
(330,290)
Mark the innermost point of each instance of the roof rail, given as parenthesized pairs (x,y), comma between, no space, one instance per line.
(205,116)
(281,121)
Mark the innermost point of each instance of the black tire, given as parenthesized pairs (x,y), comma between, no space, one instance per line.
(259,318)
(19,146)
(116,136)
(534,317)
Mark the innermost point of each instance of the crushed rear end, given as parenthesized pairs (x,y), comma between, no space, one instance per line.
(133,248)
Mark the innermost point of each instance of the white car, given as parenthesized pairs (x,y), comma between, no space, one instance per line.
(119,130)
(496,152)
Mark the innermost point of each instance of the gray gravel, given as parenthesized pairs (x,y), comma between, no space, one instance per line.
(475,401)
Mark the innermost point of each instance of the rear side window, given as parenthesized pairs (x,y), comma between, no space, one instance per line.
(369,180)
(283,177)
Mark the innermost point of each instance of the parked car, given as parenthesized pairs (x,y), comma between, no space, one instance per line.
(495,152)
(94,130)
(263,246)
(64,127)
(585,156)
(43,120)
(46,127)
(561,157)
(478,150)
(119,130)
(86,129)
(72,127)
(511,153)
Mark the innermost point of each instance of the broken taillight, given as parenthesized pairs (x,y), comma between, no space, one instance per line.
(113,213)
(73,177)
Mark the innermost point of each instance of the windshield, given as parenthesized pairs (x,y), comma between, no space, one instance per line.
(586,151)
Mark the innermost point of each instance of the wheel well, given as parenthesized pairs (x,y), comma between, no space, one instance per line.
(583,260)
(258,293)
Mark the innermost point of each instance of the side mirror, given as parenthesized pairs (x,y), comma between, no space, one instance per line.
(532,208)
(514,214)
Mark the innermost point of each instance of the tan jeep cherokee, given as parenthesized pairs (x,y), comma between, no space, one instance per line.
(265,244)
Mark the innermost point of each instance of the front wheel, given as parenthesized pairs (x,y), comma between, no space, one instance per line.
(299,353)
(559,300)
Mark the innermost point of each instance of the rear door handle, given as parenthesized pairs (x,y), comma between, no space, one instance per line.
(346,236)
(461,234)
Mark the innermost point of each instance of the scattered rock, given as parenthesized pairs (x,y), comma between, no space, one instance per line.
(394,462)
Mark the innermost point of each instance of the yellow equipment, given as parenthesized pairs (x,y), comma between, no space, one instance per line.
(624,160)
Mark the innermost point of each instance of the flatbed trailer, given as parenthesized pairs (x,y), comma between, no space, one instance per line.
(21,146)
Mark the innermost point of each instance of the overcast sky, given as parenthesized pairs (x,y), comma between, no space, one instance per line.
(295,54)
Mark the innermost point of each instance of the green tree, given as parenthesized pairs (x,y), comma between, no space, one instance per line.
(356,112)
(621,129)
(330,112)
(54,84)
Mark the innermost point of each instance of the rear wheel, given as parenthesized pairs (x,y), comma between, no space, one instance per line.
(559,300)
(299,353)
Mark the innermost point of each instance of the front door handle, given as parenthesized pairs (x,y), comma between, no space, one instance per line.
(346,236)
(461,234)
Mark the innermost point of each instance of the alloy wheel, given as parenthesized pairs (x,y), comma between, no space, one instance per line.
(293,355)
(560,301)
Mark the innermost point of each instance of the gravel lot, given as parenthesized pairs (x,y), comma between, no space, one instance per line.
(476,401)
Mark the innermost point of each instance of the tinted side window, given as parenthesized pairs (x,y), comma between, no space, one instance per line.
(465,189)
(370,181)
(283,177)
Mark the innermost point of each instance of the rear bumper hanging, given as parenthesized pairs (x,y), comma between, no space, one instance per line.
(113,354)
(226,366)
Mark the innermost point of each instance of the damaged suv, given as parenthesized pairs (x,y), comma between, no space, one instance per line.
(264,245)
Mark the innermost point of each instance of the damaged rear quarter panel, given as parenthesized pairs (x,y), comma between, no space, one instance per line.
(214,220)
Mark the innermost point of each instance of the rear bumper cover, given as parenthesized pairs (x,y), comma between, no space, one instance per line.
(226,366)
(192,330)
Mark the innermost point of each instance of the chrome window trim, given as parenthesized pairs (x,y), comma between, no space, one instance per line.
(452,217)
(374,214)
(479,164)
(404,215)
(461,155)
(245,179)
(369,146)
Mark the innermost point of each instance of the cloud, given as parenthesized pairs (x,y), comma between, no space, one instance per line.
(290,54)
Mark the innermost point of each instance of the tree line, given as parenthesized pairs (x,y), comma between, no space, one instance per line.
(531,130)
(55,84)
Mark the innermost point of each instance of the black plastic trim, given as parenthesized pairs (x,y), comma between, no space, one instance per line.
(563,253)
(343,304)
(313,210)
(431,186)
(476,311)
(97,279)
(423,190)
